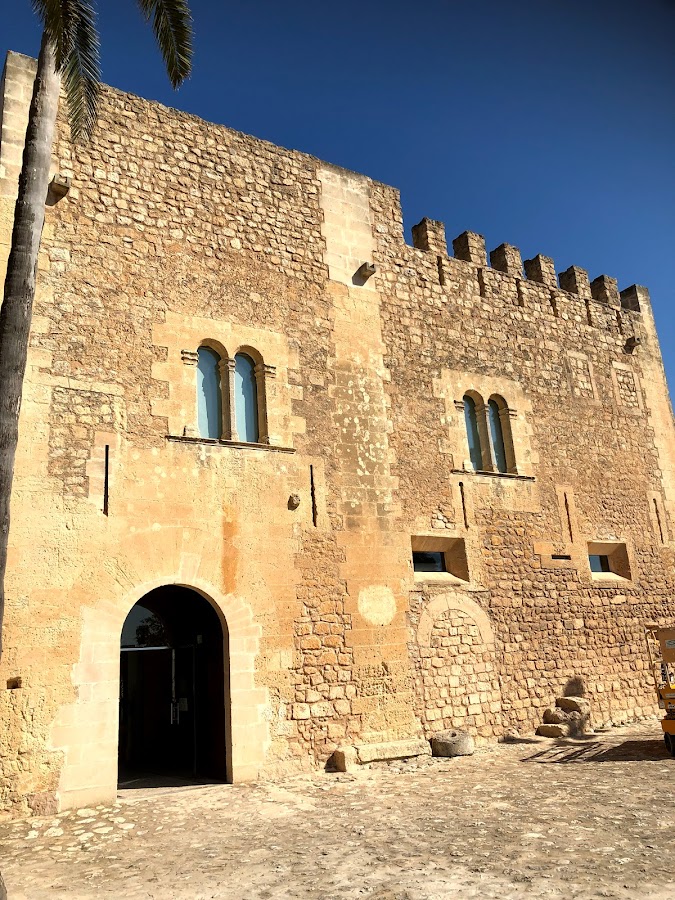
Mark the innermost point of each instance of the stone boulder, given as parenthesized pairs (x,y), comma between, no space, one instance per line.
(574,704)
(452,743)
(553,731)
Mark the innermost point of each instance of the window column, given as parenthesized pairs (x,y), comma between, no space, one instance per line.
(505,416)
(263,375)
(231,401)
(225,370)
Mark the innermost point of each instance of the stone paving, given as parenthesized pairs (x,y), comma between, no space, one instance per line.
(537,818)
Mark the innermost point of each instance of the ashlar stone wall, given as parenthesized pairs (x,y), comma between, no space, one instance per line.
(177,233)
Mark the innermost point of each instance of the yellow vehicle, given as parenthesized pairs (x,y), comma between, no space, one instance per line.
(661,650)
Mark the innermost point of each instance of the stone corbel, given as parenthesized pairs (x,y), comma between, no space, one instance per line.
(189,357)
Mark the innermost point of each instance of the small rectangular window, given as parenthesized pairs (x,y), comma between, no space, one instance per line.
(429,561)
(439,558)
(599,562)
(609,560)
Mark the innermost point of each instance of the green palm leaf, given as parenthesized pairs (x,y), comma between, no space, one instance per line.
(172,25)
(70,26)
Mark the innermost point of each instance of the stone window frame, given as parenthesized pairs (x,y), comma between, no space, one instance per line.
(485,440)
(452,385)
(455,555)
(622,564)
(175,342)
(263,374)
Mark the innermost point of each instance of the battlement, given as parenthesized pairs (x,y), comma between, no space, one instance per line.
(429,235)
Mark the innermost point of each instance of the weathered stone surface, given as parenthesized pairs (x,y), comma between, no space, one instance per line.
(555,716)
(346,759)
(392,750)
(574,704)
(553,731)
(452,743)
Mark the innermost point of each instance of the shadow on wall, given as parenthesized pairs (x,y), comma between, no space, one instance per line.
(575,687)
(3,889)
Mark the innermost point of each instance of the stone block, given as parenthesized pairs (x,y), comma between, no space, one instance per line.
(345,759)
(553,731)
(574,704)
(555,716)
(452,743)
(392,750)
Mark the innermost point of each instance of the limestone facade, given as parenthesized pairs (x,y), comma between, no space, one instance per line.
(177,234)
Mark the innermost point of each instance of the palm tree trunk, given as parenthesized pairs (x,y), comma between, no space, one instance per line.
(17,305)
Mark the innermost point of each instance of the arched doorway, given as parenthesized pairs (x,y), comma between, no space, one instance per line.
(173,692)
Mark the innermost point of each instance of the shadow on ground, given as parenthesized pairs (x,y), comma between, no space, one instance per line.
(136,781)
(595,751)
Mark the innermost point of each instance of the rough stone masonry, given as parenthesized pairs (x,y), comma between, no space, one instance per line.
(482,451)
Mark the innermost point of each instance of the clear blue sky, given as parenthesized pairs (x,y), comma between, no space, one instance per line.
(548,125)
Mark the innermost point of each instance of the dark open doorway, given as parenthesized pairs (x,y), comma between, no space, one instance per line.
(172,691)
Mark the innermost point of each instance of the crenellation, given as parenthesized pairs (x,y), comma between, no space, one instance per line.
(470,247)
(542,270)
(430,235)
(506,258)
(630,297)
(575,281)
(604,289)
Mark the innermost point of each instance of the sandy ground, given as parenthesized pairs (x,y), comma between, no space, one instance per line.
(540,818)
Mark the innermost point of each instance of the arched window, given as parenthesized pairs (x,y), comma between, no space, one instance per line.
(472,434)
(209,394)
(496,436)
(246,398)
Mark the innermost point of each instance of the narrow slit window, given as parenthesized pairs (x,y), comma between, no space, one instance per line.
(246,398)
(473,437)
(497,437)
(209,394)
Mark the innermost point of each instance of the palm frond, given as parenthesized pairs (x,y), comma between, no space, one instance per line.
(70,26)
(172,25)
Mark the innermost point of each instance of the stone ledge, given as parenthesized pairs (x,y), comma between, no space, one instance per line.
(214,442)
(346,759)
(509,475)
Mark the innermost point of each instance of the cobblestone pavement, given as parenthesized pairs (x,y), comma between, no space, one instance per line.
(540,818)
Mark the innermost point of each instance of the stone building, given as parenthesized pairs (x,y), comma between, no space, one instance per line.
(287,483)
